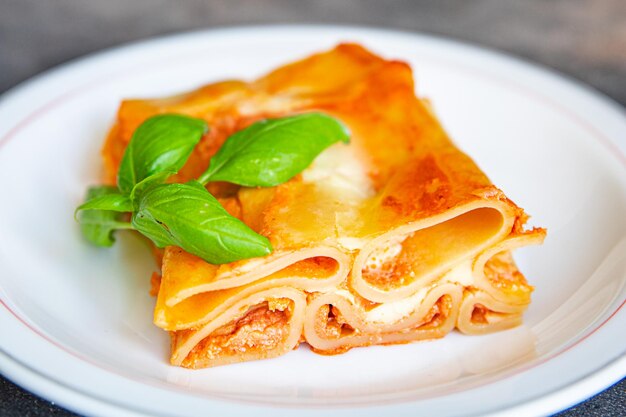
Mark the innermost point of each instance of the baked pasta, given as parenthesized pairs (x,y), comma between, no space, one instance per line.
(396,237)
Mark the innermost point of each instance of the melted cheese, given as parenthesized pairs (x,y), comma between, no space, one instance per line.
(460,274)
(345,294)
(351,243)
(396,310)
(385,253)
(338,169)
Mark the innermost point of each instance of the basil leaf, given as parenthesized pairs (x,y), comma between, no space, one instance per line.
(147,225)
(113,201)
(97,225)
(187,215)
(272,151)
(162,143)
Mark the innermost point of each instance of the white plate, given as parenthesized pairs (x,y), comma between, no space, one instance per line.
(76,320)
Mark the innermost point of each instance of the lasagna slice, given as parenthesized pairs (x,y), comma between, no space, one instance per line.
(397,237)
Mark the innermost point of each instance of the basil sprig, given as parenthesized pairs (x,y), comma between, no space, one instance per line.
(267,153)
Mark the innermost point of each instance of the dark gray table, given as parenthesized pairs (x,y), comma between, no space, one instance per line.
(585,39)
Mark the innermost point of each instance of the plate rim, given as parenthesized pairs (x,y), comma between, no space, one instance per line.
(22,374)
(32,83)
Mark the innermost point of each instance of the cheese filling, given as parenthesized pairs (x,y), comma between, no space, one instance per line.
(384,254)
(394,311)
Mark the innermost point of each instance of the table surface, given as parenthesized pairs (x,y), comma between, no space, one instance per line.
(584,39)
